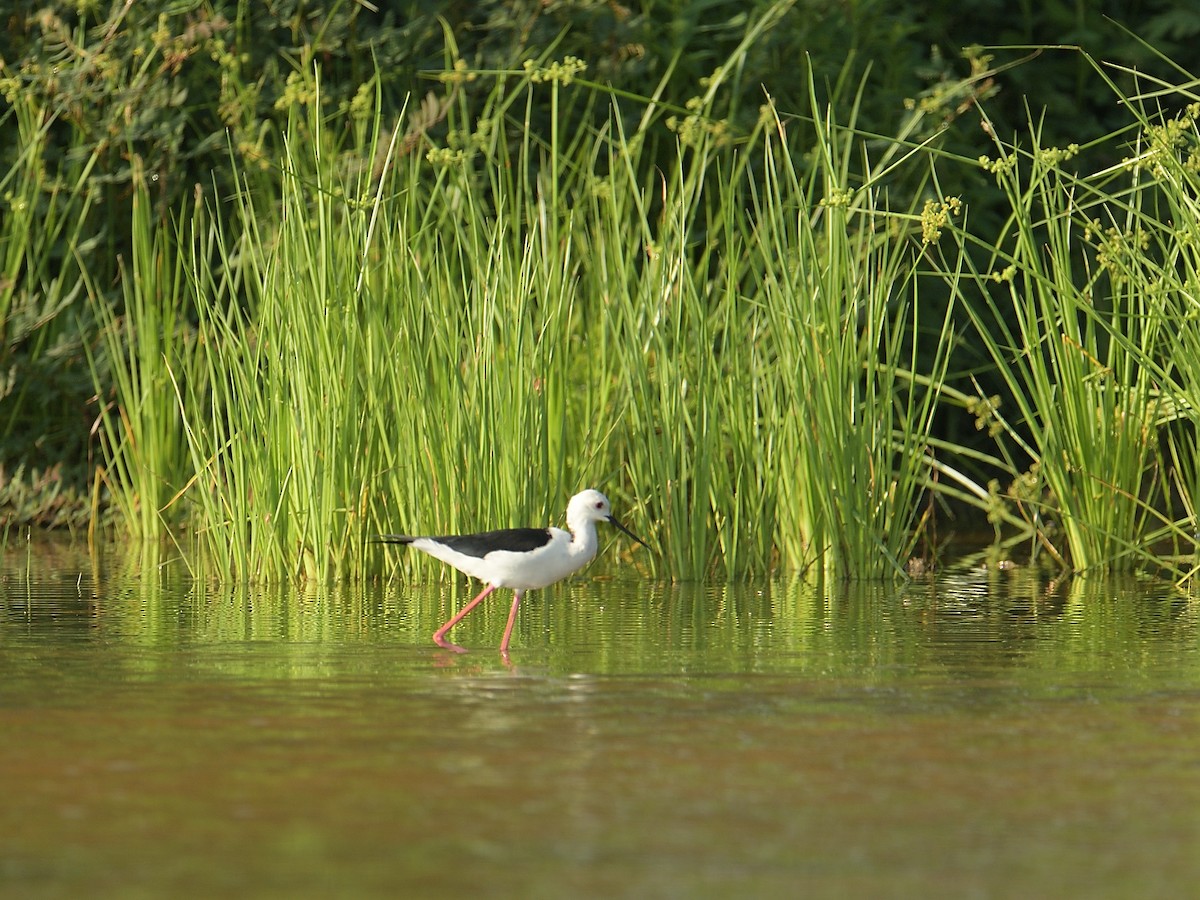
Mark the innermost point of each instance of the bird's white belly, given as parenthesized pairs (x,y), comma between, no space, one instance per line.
(530,571)
(521,571)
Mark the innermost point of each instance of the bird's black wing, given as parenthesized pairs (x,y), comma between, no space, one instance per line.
(515,540)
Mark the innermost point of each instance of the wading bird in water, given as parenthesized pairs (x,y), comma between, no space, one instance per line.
(523,559)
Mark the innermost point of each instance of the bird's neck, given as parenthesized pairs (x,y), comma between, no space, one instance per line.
(584,541)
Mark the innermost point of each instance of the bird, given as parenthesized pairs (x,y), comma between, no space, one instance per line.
(522,559)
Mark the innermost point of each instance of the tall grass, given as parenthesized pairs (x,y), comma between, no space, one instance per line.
(392,354)
(1088,308)
(841,294)
(41,289)
(732,332)
(465,336)
(1153,253)
(139,423)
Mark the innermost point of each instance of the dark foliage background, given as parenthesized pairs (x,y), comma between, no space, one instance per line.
(181,89)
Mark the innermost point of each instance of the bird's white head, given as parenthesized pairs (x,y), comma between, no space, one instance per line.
(592,506)
(588,506)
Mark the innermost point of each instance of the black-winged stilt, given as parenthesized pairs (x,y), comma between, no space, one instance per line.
(523,559)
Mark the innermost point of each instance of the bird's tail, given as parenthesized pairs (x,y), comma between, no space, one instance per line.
(392,539)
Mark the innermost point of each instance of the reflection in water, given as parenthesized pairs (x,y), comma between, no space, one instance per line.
(984,733)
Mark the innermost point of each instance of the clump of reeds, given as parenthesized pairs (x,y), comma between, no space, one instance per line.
(396,340)
(1087,305)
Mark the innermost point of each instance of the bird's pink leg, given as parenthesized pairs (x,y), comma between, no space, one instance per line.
(440,635)
(512,617)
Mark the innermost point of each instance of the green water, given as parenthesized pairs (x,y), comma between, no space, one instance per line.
(971,736)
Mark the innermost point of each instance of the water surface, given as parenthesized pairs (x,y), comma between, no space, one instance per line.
(970,736)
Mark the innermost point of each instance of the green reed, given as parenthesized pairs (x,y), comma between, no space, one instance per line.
(393,340)
(744,345)
(841,294)
(1148,247)
(389,354)
(142,351)
(1075,314)
(43,260)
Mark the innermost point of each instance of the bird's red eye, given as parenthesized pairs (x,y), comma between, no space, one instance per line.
(600,505)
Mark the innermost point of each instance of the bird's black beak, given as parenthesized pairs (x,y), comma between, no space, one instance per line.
(628,532)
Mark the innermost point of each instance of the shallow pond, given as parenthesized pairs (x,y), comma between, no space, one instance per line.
(977,735)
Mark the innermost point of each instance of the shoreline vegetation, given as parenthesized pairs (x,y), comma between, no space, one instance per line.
(759,334)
